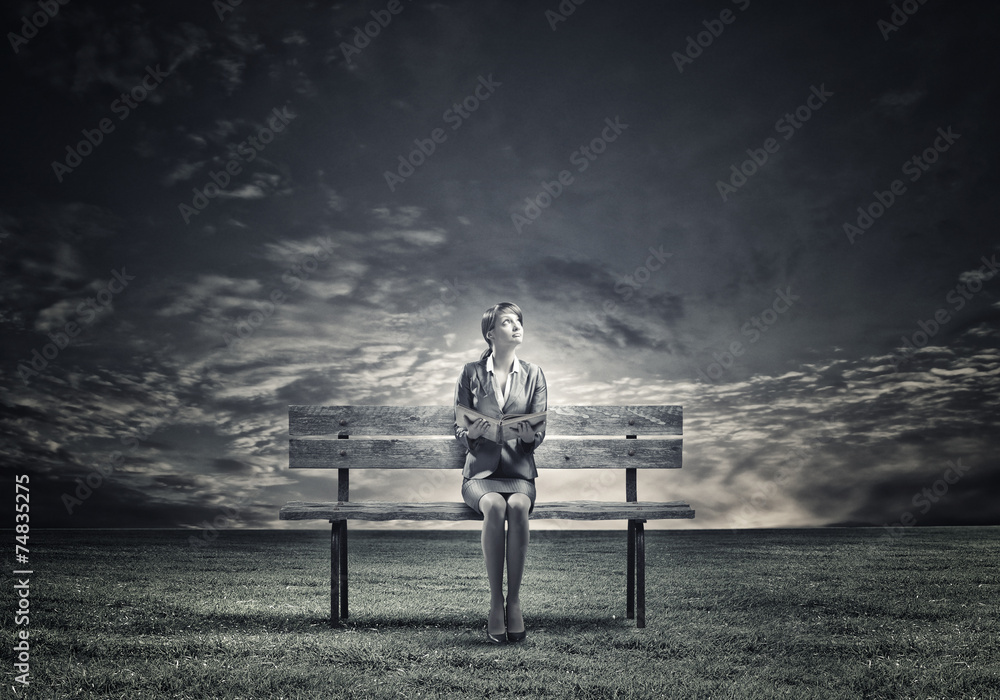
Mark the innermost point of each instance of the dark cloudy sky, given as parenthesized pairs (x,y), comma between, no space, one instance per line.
(653,259)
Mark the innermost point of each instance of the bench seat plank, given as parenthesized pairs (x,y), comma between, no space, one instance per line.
(439,420)
(570,510)
(448,453)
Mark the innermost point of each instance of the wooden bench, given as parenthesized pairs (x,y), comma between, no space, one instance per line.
(422,437)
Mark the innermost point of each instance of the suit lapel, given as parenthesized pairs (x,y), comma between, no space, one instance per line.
(489,402)
(516,385)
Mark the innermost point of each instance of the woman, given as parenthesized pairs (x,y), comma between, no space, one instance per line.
(499,479)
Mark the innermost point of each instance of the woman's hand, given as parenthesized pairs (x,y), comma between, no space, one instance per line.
(525,433)
(478,429)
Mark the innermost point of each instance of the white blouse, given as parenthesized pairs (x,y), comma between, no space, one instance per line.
(510,378)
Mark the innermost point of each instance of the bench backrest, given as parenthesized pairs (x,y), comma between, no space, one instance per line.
(422,437)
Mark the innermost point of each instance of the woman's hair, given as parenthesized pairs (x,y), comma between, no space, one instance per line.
(490,319)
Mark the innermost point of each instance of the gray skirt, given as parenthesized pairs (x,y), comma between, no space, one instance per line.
(474,489)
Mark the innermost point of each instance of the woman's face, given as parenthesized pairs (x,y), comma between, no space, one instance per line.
(507,330)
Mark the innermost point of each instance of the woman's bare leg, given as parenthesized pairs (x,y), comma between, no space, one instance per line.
(518,505)
(494,509)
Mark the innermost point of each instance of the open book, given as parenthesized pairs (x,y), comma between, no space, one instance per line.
(503,429)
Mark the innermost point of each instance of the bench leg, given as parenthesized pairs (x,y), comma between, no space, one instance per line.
(630,573)
(336,533)
(343,568)
(640,560)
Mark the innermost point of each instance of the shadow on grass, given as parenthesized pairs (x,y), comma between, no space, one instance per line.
(550,623)
(169,619)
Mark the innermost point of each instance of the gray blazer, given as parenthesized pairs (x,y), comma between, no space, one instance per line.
(527,395)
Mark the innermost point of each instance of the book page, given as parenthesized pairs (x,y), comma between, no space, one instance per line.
(509,424)
(465,417)
(500,430)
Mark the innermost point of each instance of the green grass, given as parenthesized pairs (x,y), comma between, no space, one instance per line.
(754,614)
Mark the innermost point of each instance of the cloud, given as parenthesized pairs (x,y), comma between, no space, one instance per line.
(189,372)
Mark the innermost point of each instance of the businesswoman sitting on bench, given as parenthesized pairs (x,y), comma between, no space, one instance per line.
(499,478)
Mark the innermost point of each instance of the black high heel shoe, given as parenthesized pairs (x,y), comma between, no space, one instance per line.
(514,636)
(494,638)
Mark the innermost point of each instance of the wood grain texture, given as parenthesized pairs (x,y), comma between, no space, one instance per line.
(570,510)
(630,571)
(335,561)
(440,420)
(640,575)
(437,453)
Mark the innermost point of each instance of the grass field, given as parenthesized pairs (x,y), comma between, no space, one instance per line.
(752,614)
